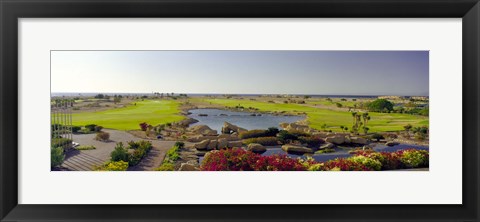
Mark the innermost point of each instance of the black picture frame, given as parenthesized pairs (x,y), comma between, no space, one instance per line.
(11,11)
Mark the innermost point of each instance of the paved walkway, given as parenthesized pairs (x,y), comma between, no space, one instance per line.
(84,160)
(77,161)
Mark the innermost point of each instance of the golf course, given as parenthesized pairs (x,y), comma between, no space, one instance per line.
(151,111)
(161,111)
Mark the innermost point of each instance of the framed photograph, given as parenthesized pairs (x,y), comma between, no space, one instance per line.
(224,110)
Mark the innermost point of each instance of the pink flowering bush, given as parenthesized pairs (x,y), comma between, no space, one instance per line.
(237,159)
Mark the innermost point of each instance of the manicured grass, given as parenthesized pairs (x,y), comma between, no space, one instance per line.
(153,112)
(380,122)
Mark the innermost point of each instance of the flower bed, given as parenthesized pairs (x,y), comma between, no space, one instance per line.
(237,159)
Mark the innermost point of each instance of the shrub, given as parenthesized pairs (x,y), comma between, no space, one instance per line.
(141,149)
(278,163)
(166,167)
(113,166)
(179,144)
(90,127)
(370,163)
(285,137)
(380,105)
(252,134)
(344,164)
(61,142)
(75,129)
(143,126)
(98,128)
(412,158)
(311,141)
(377,136)
(271,131)
(85,148)
(265,141)
(102,136)
(119,153)
(56,156)
(328,150)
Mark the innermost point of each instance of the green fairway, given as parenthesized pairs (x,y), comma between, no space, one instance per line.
(153,112)
(380,122)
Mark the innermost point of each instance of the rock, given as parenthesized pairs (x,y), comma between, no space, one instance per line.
(222,143)
(229,137)
(327,146)
(391,143)
(186,122)
(193,162)
(203,130)
(188,167)
(253,114)
(229,128)
(347,139)
(256,148)
(201,145)
(359,140)
(202,114)
(290,148)
(337,139)
(232,144)
(295,127)
(212,145)
(223,114)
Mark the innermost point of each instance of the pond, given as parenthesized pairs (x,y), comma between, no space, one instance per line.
(214,118)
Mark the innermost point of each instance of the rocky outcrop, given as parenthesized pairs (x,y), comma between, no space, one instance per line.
(327,146)
(256,148)
(203,130)
(229,128)
(296,127)
(232,144)
(358,140)
(290,148)
(188,167)
(392,143)
(201,145)
(222,143)
(337,139)
(186,122)
(212,145)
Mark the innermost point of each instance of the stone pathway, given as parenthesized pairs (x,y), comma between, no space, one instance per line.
(85,160)
(79,161)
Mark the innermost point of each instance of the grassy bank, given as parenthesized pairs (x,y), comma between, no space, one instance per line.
(153,112)
(380,122)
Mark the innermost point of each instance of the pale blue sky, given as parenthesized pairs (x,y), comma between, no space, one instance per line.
(242,72)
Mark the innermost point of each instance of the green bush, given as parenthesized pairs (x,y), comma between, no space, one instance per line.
(113,166)
(166,167)
(75,129)
(56,156)
(285,137)
(380,105)
(253,134)
(328,150)
(90,127)
(312,142)
(141,149)
(85,148)
(368,162)
(265,141)
(98,128)
(119,153)
(377,137)
(60,142)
